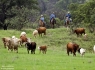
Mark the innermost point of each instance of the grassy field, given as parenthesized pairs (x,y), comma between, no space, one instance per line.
(56,57)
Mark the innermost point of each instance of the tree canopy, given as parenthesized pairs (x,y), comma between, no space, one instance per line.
(8,9)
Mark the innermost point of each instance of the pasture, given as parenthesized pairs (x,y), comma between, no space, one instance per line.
(56,57)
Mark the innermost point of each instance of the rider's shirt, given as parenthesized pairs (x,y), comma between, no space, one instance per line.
(68,15)
(42,19)
(52,16)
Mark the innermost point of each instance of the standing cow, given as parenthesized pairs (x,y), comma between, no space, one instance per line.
(41,30)
(31,46)
(43,49)
(72,47)
(5,40)
(79,31)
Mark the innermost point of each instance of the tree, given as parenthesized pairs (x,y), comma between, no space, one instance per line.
(7,6)
(84,13)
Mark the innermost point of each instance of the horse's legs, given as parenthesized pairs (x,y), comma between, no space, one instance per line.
(53,26)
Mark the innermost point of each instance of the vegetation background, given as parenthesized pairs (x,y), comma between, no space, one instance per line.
(19,14)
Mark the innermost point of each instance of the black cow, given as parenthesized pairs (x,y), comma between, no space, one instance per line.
(31,46)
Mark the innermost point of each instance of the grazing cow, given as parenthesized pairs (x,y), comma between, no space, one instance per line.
(43,49)
(35,32)
(79,31)
(41,30)
(82,51)
(72,47)
(5,40)
(94,49)
(31,46)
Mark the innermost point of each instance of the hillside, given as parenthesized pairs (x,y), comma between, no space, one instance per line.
(55,38)
(56,57)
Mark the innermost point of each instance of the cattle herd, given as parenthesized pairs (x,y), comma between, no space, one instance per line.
(13,43)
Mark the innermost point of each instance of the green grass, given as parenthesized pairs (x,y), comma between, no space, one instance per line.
(56,57)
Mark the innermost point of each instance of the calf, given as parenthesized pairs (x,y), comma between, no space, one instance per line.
(81,51)
(43,49)
(35,32)
(31,46)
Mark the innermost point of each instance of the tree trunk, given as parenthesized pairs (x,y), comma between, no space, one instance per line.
(5,26)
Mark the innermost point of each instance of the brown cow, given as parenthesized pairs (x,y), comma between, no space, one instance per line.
(79,31)
(43,49)
(72,47)
(41,30)
(5,40)
(24,39)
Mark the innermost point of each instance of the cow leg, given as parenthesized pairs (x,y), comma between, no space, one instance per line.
(68,52)
(5,45)
(31,51)
(45,51)
(77,35)
(28,51)
(40,51)
(17,50)
(34,51)
(74,54)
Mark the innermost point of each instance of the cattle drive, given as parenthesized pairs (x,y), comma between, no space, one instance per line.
(13,43)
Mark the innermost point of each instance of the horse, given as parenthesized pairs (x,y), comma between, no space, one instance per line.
(52,22)
(67,22)
(41,23)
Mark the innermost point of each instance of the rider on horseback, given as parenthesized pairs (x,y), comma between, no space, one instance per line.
(68,17)
(52,16)
(42,19)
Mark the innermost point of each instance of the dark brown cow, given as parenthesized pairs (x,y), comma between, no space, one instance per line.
(43,49)
(79,31)
(41,30)
(72,47)
(31,46)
